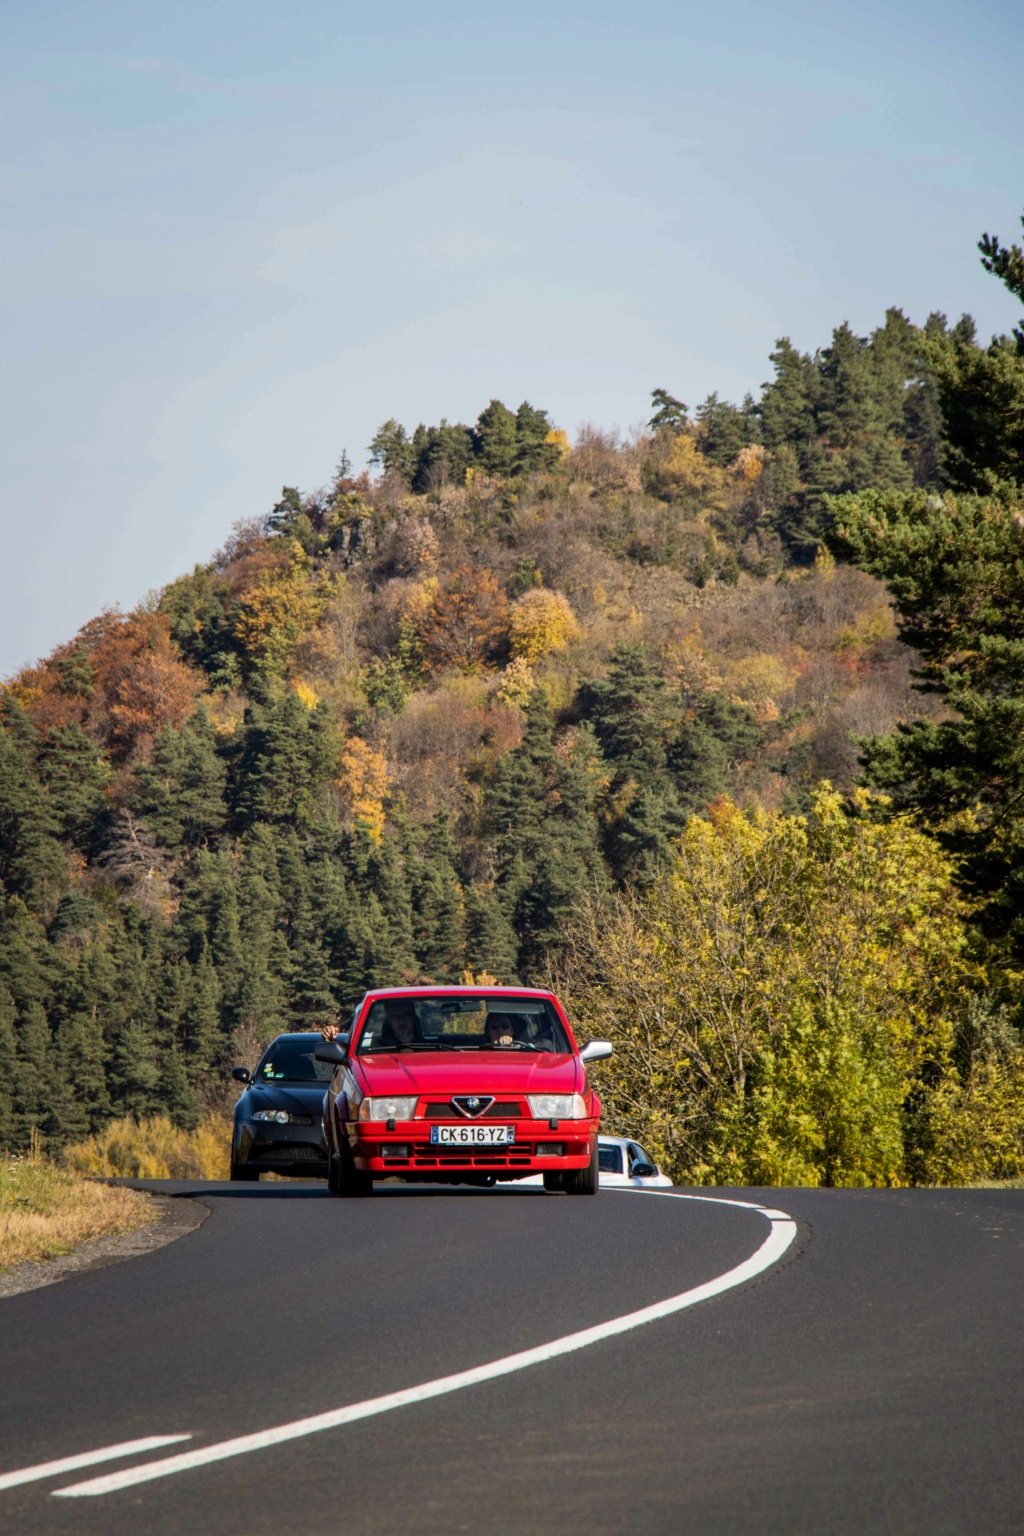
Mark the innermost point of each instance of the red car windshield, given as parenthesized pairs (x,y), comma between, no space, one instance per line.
(463,1023)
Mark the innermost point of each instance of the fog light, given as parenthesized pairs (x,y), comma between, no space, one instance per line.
(550,1149)
(394,1149)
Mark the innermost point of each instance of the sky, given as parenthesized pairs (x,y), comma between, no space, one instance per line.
(239,235)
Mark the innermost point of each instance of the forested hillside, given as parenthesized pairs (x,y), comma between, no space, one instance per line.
(466,712)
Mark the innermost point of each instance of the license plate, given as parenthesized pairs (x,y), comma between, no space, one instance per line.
(472,1135)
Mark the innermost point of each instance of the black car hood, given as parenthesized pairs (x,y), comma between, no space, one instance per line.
(298,1098)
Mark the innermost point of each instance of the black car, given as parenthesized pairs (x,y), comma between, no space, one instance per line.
(279,1117)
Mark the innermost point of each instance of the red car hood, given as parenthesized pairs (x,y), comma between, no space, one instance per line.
(470,1072)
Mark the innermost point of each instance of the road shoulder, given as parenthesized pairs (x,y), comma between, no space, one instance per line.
(172,1217)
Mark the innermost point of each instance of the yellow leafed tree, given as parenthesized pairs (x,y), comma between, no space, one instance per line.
(275,612)
(776,995)
(686,477)
(364,785)
(540,623)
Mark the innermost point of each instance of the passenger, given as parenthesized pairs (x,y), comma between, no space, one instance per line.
(401,1026)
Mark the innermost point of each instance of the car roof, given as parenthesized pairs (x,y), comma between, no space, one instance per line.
(454,991)
(294,1034)
(617,1141)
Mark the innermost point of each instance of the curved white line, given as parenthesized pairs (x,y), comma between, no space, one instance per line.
(783,1231)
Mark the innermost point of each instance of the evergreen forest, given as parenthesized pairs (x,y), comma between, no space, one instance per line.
(718,727)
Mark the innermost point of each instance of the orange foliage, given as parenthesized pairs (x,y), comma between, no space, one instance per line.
(364,784)
(121,679)
(466,620)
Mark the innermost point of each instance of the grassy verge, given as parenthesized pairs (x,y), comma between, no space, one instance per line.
(46,1211)
(155,1149)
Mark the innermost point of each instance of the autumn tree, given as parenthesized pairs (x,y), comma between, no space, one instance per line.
(777,995)
(466,621)
(540,623)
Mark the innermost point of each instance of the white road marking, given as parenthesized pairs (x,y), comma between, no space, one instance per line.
(87,1459)
(783,1231)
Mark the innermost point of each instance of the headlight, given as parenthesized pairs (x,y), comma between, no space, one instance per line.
(401,1108)
(279,1116)
(557,1106)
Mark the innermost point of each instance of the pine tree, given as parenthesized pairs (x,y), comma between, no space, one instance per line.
(32,862)
(981,389)
(633,718)
(491,944)
(76,775)
(496,443)
(200,1027)
(8,1067)
(789,402)
(438,924)
(544,837)
(262,991)
(180,794)
(725,428)
(288,754)
(533,451)
(392,450)
(441,455)
(705,748)
(135,1073)
(32,1079)
(668,413)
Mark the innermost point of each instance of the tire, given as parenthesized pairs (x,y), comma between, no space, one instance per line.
(241,1174)
(584,1181)
(346,1180)
(554,1182)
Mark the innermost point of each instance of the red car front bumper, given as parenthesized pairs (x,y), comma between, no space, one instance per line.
(408,1149)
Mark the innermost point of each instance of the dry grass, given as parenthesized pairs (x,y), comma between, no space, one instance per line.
(155,1149)
(46,1211)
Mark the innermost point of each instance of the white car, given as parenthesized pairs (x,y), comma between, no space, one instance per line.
(623,1163)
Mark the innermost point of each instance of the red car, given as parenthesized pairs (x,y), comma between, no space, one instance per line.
(461,1085)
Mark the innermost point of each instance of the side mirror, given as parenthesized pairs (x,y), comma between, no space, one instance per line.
(596,1050)
(334,1051)
(643,1171)
(241,1074)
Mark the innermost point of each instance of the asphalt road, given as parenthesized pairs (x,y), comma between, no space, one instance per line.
(871,1381)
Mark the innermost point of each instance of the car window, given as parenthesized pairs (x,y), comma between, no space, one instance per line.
(462,1023)
(609,1159)
(290,1059)
(638,1155)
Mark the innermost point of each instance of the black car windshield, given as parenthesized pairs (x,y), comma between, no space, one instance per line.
(463,1023)
(290,1059)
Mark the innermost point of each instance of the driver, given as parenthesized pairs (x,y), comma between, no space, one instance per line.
(498,1031)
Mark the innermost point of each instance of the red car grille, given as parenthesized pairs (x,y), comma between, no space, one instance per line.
(446,1111)
(458,1157)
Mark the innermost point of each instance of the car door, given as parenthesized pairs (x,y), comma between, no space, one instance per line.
(611,1168)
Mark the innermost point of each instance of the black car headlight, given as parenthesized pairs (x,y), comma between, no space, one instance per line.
(280,1117)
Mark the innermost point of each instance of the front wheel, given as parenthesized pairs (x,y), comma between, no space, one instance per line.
(241,1174)
(583,1181)
(346,1180)
(554,1182)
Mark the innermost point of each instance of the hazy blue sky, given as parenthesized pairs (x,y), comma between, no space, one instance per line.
(239,235)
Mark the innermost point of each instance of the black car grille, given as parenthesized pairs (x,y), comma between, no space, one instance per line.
(447,1111)
(280,1151)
